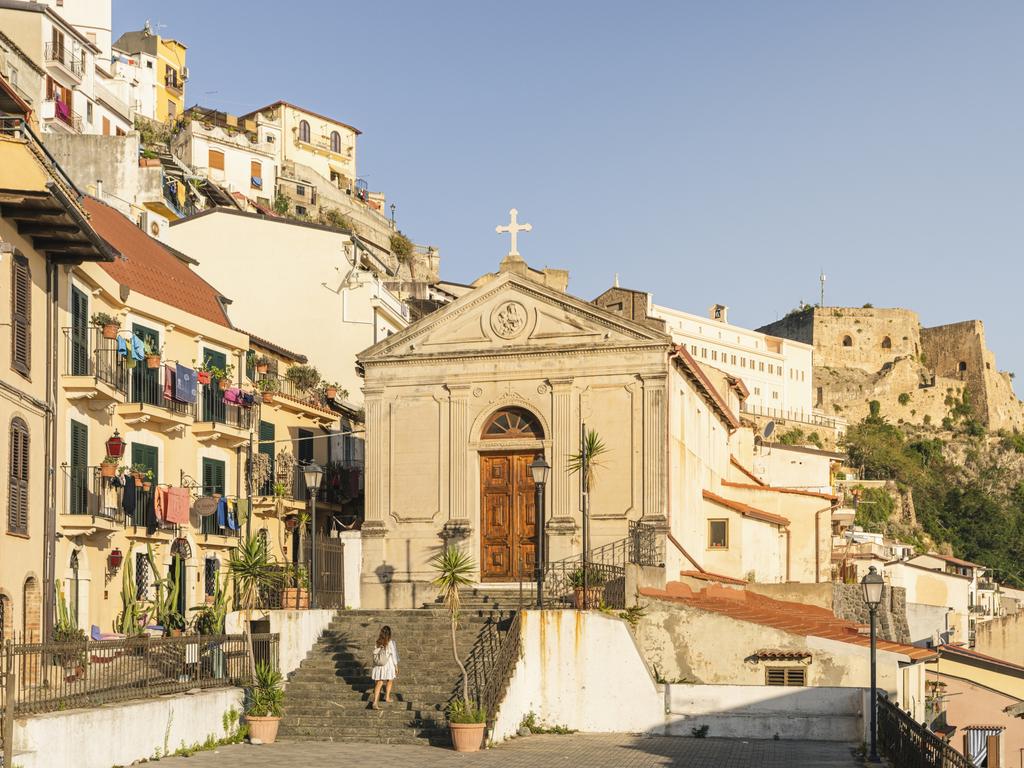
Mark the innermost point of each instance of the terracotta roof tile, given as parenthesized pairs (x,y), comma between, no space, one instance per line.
(151,269)
(709,576)
(693,368)
(746,510)
(795,491)
(736,463)
(796,618)
(958,649)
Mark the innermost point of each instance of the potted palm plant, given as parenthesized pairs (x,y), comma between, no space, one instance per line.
(589,460)
(107,322)
(265,704)
(254,572)
(455,569)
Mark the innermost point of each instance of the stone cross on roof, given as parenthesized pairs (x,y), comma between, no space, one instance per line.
(513,228)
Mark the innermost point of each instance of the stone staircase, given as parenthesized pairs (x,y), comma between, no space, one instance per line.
(328,696)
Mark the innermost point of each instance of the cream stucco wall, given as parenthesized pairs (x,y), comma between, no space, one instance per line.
(289,264)
(934,588)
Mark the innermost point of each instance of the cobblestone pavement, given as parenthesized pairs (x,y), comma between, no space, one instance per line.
(592,751)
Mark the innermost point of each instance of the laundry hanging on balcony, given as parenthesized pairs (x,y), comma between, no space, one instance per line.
(184,384)
(176,507)
(226,517)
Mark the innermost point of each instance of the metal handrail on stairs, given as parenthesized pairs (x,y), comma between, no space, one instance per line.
(491,665)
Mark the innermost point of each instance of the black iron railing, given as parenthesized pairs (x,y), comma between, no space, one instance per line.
(148,386)
(564,585)
(211,527)
(89,493)
(491,662)
(87,353)
(68,56)
(51,677)
(909,744)
(211,407)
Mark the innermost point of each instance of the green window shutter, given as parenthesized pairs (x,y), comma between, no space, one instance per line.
(266,447)
(79,333)
(17,501)
(79,468)
(147,456)
(213,477)
(305,452)
(21,315)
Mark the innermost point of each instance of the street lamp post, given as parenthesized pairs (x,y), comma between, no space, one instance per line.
(539,469)
(313,474)
(872,584)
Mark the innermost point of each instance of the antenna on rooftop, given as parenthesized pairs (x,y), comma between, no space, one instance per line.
(616,279)
(821,279)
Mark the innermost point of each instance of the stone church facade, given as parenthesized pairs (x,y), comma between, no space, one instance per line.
(460,403)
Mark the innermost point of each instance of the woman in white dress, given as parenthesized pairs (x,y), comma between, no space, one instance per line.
(385,666)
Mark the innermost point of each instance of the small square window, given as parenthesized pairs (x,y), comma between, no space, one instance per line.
(718,534)
(300,190)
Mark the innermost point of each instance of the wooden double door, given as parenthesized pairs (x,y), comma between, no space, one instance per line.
(508,517)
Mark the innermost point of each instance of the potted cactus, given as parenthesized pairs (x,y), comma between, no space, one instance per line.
(106,322)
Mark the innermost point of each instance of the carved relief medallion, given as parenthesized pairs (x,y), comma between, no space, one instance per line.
(508,319)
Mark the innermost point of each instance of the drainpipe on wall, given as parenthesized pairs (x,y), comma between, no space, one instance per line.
(50,450)
(788,551)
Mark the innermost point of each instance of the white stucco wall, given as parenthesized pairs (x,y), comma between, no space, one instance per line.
(583,671)
(762,712)
(121,735)
(298,630)
(353,565)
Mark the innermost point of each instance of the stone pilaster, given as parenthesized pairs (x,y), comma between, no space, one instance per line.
(377,436)
(458,435)
(655,446)
(562,435)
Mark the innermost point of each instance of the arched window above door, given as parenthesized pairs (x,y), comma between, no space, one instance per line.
(513,424)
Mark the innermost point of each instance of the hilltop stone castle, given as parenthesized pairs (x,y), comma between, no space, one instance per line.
(863,354)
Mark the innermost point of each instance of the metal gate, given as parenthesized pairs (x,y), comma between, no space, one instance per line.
(6,706)
(328,577)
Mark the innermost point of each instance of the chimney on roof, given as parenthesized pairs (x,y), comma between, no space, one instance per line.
(99,189)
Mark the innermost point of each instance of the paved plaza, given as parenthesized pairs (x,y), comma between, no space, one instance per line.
(593,751)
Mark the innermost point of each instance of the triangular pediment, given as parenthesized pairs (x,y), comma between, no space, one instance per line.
(512,313)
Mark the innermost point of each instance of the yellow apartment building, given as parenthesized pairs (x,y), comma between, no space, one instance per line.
(171,65)
(43,229)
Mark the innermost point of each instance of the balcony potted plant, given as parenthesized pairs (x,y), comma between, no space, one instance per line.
(262,364)
(330,390)
(267,388)
(147,480)
(266,704)
(595,586)
(149,159)
(138,471)
(297,595)
(223,375)
(71,658)
(203,372)
(107,322)
(304,377)
(108,468)
(455,570)
(152,353)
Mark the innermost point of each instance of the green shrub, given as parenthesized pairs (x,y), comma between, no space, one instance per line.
(904,398)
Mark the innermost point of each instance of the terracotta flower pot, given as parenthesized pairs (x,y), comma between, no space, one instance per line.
(152,361)
(138,479)
(295,598)
(291,522)
(263,729)
(223,384)
(108,470)
(331,392)
(594,596)
(110,331)
(268,398)
(203,377)
(467,737)
(262,368)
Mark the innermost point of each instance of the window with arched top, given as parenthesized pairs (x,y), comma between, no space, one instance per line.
(181,548)
(513,424)
(335,142)
(886,343)
(847,341)
(304,131)
(962,366)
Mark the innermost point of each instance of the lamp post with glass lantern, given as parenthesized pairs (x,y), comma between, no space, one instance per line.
(872,584)
(539,469)
(312,475)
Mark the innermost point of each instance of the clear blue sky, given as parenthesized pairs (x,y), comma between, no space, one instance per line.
(707,151)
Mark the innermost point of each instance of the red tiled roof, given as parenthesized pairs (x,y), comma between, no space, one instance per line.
(795,491)
(736,463)
(151,269)
(795,618)
(959,649)
(745,509)
(703,382)
(955,560)
(770,654)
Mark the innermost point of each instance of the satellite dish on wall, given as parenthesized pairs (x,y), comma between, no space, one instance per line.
(769,429)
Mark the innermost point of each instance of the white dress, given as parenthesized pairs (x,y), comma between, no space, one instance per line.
(387,672)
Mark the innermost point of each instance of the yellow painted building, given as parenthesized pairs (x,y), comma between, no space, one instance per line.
(171,66)
(42,229)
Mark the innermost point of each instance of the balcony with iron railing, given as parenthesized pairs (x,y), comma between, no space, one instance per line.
(285,393)
(216,418)
(64,115)
(92,367)
(91,501)
(150,397)
(70,57)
